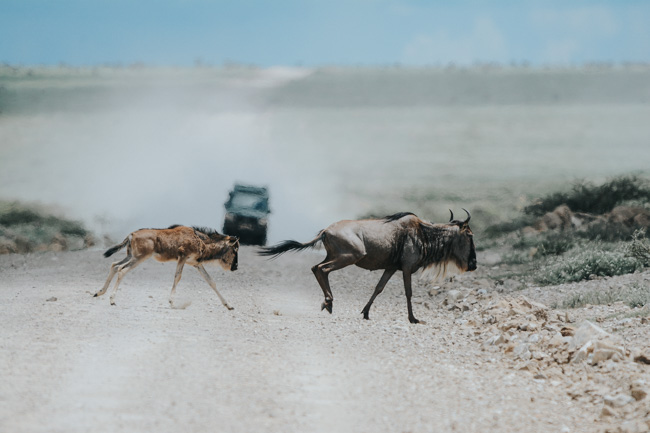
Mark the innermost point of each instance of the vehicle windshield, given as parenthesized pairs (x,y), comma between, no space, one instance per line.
(248,201)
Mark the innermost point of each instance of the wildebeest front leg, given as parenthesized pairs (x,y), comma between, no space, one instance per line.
(207,278)
(380,287)
(177,278)
(407,291)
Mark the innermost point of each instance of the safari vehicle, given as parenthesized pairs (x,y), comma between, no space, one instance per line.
(247,210)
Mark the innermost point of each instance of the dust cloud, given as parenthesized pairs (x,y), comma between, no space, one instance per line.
(127,152)
(125,148)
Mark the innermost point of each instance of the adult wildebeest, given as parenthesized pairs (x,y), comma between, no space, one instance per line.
(397,242)
(191,245)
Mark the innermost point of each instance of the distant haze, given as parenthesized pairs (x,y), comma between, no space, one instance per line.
(140,147)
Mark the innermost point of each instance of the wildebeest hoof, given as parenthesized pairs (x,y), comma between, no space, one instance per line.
(113,303)
(229,307)
(414,320)
(327,305)
(95,295)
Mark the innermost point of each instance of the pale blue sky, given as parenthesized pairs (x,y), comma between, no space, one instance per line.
(314,33)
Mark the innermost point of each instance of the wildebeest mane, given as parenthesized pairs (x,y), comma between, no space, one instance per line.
(396,216)
(173,226)
(433,243)
(211,233)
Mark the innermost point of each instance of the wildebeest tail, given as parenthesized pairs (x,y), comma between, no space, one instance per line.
(112,250)
(285,246)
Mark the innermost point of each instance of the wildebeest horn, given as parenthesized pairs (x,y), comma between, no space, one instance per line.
(452,216)
(468,216)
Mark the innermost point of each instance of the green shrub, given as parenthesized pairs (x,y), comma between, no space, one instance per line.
(31,228)
(607,232)
(555,244)
(547,244)
(515,258)
(636,296)
(582,265)
(596,297)
(639,248)
(586,197)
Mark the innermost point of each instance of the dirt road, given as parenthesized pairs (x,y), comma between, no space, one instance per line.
(276,363)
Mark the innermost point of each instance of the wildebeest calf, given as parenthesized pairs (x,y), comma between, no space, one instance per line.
(191,245)
(397,242)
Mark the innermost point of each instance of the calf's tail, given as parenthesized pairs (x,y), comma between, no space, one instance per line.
(285,246)
(112,250)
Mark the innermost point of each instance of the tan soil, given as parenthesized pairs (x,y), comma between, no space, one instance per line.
(276,363)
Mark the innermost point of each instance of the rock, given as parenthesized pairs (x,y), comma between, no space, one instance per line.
(618,400)
(583,353)
(531,305)
(588,332)
(607,412)
(534,338)
(558,340)
(595,351)
(7,246)
(521,351)
(489,320)
(538,355)
(495,340)
(560,219)
(58,243)
(531,327)
(629,216)
(600,355)
(484,282)
(638,393)
(642,358)
(568,331)
(509,325)
(52,299)
(633,426)
(453,296)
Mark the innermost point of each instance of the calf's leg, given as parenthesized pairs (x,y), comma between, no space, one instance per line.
(207,278)
(111,274)
(177,278)
(121,271)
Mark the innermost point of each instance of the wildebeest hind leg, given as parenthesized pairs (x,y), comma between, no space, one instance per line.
(322,270)
(111,274)
(207,278)
(177,278)
(121,271)
(380,287)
